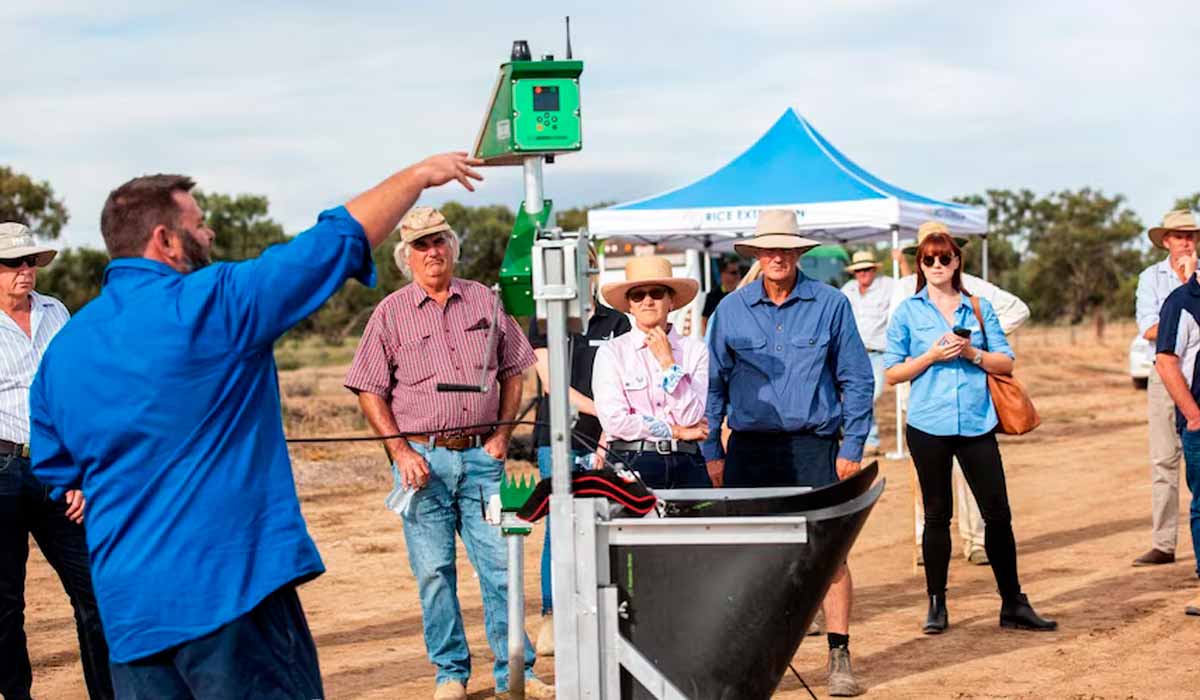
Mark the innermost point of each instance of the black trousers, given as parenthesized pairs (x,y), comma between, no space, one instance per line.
(25,509)
(979,457)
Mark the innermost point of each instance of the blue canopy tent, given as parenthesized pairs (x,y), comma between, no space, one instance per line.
(790,166)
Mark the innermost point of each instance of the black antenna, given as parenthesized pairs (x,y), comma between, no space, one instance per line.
(568,37)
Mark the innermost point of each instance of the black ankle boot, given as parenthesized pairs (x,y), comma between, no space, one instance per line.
(936,621)
(1017,613)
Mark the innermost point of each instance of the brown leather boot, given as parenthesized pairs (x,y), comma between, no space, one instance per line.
(1155,557)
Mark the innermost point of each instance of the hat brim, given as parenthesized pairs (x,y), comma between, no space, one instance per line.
(774,241)
(912,249)
(684,291)
(45,255)
(1156,234)
(862,266)
(422,233)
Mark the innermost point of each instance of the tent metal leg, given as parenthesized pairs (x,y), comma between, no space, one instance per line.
(898,453)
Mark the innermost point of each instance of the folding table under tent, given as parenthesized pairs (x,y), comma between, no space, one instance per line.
(790,166)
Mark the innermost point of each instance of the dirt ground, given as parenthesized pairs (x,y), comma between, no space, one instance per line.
(1080,491)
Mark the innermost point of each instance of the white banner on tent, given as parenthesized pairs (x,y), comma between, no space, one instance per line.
(850,221)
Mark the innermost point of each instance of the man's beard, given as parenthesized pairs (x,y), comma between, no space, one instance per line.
(193,253)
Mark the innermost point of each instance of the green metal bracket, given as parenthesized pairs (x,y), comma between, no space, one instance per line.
(516,272)
(514,492)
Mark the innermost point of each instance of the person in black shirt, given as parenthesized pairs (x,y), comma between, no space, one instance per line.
(605,323)
(731,273)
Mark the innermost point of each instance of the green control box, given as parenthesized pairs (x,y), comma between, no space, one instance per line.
(534,110)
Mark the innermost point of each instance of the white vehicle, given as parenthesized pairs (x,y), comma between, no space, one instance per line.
(1141,361)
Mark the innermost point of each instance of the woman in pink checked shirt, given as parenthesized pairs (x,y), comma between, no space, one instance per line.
(650,384)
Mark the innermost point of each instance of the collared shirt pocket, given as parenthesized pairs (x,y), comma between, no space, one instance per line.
(924,334)
(751,351)
(476,338)
(414,363)
(635,383)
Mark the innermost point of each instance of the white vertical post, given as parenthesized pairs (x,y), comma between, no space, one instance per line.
(516,616)
(898,453)
(694,262)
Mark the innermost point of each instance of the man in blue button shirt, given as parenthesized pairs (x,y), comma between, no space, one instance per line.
(159,400)
(787,366)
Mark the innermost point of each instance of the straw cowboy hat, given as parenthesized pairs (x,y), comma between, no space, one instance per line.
(931,227)
(16,241)
(777,228)
(862,260)
(1182,220)
(646,271)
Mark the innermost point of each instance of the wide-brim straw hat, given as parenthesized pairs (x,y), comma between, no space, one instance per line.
(928,228)
(649,271)
(776,229)
(1182,220)
(16,241)
(862,260)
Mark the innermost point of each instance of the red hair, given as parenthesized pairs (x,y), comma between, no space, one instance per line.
(936,244)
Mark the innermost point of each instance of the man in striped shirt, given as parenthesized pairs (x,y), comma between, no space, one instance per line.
(430,331)
(28,323)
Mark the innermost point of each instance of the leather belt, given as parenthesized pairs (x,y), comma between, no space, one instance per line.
(13,449)
(662,447)
(450,442)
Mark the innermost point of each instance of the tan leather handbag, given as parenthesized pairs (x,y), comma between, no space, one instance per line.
(1015,411)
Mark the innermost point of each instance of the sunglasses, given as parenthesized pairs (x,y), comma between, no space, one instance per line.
(637,295)
(928,260)
(16,263)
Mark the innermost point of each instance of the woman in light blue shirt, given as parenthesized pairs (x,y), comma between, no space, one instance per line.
(936,341)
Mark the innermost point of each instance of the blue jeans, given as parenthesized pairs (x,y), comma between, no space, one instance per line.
(451,503)
(544,469)
(25,509)
(876,359)
(1191,459)
(267,653)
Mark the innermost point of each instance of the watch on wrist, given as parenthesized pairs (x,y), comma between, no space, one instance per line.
(978,359)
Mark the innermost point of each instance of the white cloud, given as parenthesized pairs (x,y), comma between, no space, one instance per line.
(309,103)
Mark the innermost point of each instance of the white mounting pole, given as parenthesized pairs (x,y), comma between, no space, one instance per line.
(898,453)
(533,184)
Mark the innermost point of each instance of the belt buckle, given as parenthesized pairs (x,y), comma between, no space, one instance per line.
(25,451)
(663,447)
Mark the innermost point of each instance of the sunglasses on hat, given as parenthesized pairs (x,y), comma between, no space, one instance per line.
(943,259)
(656,293)
(16,263)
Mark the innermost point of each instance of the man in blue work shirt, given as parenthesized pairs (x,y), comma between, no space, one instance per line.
(788,367)
(159,400)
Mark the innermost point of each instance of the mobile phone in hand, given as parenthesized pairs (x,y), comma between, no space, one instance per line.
(961,332)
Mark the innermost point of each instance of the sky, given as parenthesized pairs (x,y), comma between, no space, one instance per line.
(309,103)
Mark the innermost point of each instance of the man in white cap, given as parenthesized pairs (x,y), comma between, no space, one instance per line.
(803,377)
(30,320)
(1176,235)
(870,296)
(430,331)
(1012,312)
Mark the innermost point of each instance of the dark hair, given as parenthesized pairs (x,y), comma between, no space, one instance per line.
(134,209)
(939,244)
